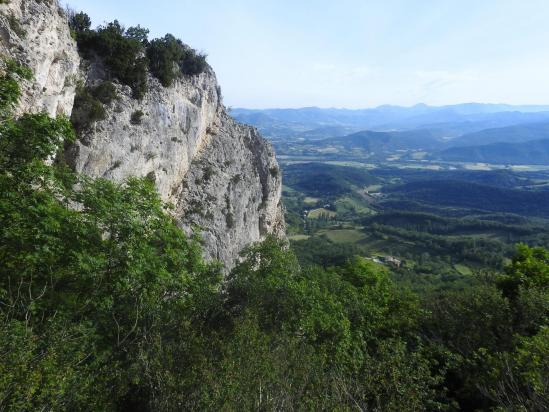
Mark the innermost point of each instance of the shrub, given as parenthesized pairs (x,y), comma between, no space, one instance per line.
(128,53)
(16,26)
(105,92)
(193,62)
(78,22)
(121,50)
(170,57)
(9,85)
(87,109)
(137,117)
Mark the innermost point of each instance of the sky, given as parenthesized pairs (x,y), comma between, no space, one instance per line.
(356,53)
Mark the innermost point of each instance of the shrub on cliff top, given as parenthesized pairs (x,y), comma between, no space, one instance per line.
(128,53)
(122,51)
(170,57)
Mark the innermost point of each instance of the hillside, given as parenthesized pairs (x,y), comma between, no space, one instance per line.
(534,152)
(511,134)
(378,142)
(317,178)
(462,194)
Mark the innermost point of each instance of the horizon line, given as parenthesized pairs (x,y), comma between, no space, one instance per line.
(528,105)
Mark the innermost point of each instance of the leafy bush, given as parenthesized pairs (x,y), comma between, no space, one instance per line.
(170,57)
(105,92)
(87,109)
(10,75)
(78,22)
(89,104)
(128,54)
(121,50)
(136,117)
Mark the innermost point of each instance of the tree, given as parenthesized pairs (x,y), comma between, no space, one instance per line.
(95,279)
(529,268)
(79,22)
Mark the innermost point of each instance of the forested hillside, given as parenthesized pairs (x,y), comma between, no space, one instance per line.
(534,152)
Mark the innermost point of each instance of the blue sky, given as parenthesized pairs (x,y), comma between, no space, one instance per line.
(357,53)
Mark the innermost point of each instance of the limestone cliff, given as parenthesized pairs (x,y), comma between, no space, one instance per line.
(36,33)
(221,176)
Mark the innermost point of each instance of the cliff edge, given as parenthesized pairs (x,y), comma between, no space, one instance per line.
(222,177)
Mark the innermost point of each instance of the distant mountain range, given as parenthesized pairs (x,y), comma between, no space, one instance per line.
(510,134)
(387,141)
(488,133)
(446,121)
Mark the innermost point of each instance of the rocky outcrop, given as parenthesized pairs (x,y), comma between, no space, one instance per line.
(36,33)
(221,176)
(232,190)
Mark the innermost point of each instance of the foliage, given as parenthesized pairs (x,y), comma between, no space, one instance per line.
(122,51)
(78,22)
(105,92)
(170,57)
(101,281)
(528,269)
(105,304)
(89,104)
(522,376)
(87,109)
(11,73)
(129,55)
(136,117)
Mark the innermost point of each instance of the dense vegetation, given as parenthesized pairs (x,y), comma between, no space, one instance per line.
(106,305)
(89,104)
(442,231)
(531,152)
(316,178)
(476,196)
(169,57)
(128,54)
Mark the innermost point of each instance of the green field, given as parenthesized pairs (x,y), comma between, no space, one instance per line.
(317,213)
(299,237)
(311,200)
(343,235)
(463,269)
(373,188)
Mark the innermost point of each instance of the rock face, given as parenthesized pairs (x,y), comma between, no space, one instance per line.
(232,190)
(221,176)
(36,33)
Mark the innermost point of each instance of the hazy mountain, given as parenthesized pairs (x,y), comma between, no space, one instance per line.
(531,152)
(510,134)
(448,121)
(386,141)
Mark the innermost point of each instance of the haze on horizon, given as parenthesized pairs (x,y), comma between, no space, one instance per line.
(356,54)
